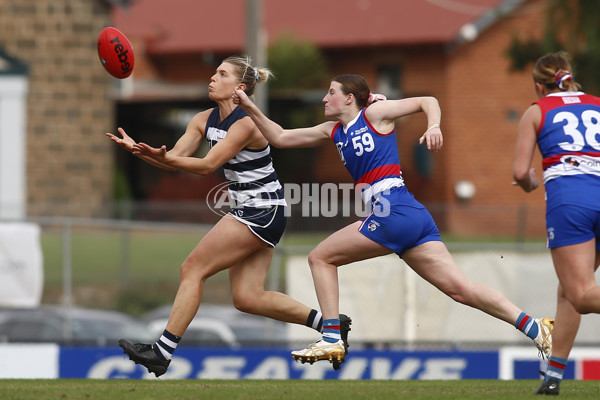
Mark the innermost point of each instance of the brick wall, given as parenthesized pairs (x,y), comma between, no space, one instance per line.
(482,102)
(482,110)
(69,159)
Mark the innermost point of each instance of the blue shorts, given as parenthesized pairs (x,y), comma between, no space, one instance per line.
(267,223)
(570,224)
(399,222)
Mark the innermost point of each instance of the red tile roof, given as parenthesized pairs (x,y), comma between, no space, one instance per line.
(193,26)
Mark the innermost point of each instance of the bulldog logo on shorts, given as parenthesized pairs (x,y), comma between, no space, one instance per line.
(373,225)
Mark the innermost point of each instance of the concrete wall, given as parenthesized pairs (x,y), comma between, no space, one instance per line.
(388,302)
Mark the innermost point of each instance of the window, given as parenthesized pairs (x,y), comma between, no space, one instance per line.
(388,81)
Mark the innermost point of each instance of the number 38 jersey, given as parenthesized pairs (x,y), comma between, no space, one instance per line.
(370,157)
(569,141)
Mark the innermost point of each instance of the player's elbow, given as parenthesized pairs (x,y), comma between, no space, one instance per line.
(429,103)
(520,176)
(208,169)
(281,144)
(291,139)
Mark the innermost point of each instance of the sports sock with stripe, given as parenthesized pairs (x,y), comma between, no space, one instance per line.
(165,346)
(331,330)
(315,320)
(556,368)
(527,325)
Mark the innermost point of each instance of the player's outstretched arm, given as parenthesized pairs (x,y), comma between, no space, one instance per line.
(128,144)
(275,134)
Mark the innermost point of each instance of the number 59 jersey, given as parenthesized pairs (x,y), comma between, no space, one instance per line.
(569,141)
(370,157)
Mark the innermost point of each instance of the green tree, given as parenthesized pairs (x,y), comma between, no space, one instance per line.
(300,82)
(571,25)
(297,64)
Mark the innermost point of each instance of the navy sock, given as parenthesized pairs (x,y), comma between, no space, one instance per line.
(315,320)
(165,346)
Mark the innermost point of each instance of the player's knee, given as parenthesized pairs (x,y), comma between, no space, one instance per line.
(245,303)
(460,298)
(581,306)
(579,301)
(192,270)
(460,294)
(313,258)
(316,259)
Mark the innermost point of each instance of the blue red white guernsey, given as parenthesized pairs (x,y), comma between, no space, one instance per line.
(252,179)
(370,157)
(569,141)
(397,221)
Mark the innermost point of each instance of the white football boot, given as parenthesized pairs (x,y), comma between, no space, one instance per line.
(543,340)
(321,350)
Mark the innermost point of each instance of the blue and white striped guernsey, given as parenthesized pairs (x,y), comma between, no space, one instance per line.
(250,174)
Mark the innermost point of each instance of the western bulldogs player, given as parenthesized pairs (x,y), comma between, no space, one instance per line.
(565,125)
(365,138)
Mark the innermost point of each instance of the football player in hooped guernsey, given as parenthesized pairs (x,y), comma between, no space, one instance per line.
(363,132)
(565,125)
(243,240)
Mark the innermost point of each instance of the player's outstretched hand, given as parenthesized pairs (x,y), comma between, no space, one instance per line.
(158,154)
(125,141)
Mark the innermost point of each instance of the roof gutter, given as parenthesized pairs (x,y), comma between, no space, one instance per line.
(471,30)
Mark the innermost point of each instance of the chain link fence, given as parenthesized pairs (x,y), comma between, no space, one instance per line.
(133,266)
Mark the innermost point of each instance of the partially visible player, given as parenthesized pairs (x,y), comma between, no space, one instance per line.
(565,125)
(243,240)
(366,141)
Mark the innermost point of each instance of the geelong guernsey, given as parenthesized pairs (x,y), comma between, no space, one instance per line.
(252,179)
(569,141)
(370,157)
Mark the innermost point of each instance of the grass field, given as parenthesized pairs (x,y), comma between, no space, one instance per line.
(286,389)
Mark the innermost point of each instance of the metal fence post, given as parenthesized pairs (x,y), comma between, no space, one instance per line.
(67,263)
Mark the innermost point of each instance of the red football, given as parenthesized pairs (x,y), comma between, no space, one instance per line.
(115,52)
